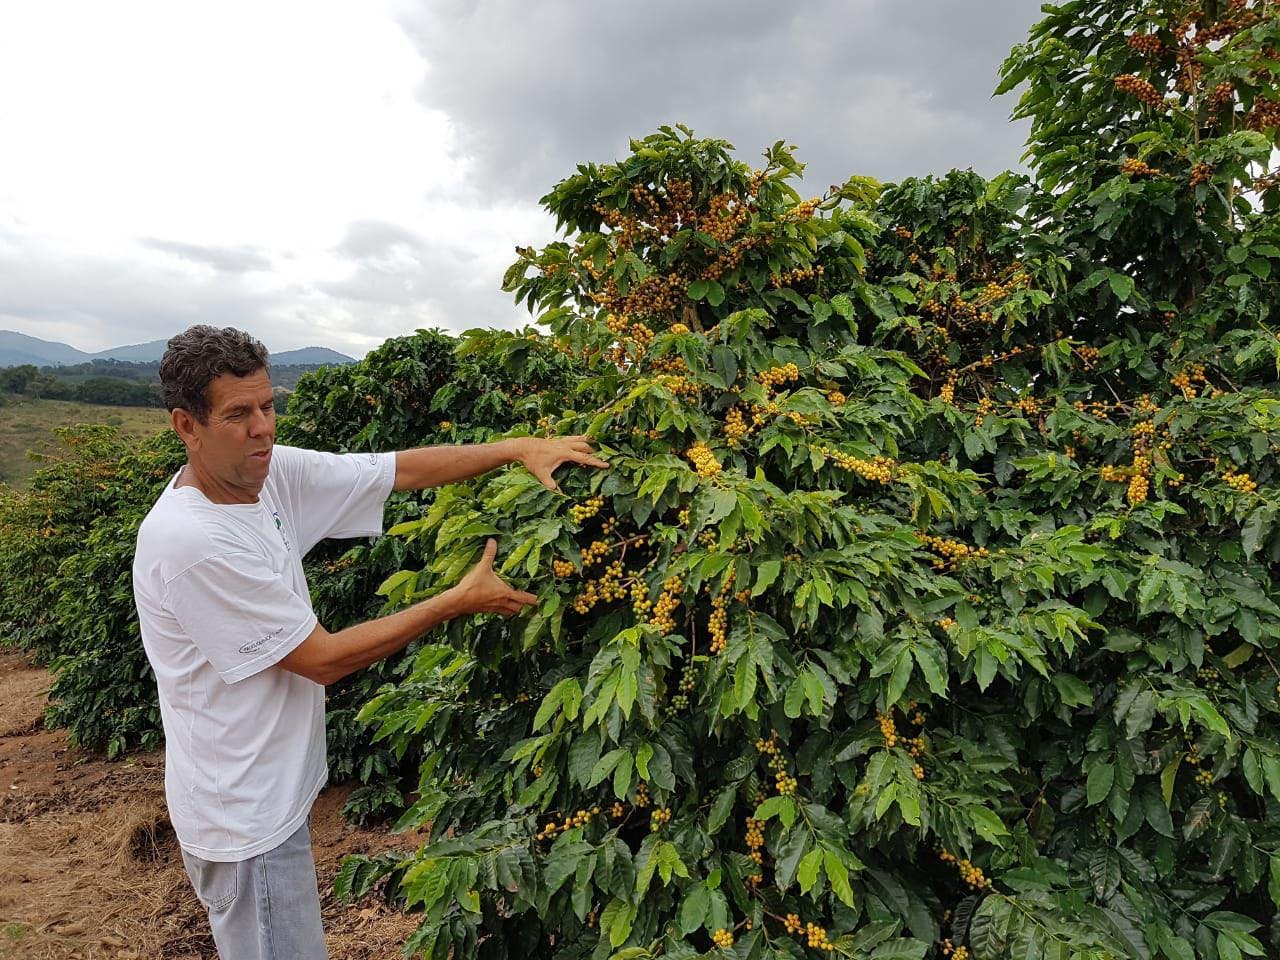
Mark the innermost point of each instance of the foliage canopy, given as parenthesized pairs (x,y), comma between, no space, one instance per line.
(928,604)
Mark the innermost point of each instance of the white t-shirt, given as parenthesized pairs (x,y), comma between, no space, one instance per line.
(221,599)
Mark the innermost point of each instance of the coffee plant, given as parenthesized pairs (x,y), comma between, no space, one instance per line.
(928,606)
(66,592)
(104,691)
(408,392)
(42,526)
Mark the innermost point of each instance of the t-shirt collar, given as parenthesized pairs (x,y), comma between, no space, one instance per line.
(200,494)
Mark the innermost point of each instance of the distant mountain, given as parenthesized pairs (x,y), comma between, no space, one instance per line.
(134,353)
(16,358)
(27,349)
(310,355)
(18,348)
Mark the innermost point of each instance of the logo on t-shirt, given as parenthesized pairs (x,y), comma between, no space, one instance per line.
(255,645)
(280,526)
(373,459)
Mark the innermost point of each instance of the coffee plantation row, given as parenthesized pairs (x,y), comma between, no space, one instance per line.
(928,607)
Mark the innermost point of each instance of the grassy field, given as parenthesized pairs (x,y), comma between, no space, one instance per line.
(27,425)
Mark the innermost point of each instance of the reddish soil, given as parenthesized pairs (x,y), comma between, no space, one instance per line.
(89,865)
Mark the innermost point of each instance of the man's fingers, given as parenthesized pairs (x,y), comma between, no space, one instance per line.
(510,606)
(490,551)
(519,596)
(544,477)
(591,461)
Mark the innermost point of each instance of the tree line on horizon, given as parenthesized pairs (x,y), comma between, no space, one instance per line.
(117,383)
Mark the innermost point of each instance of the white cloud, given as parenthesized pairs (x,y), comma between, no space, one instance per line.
(212,158)
(240,121)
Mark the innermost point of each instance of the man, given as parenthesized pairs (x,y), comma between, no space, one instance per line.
(240,661)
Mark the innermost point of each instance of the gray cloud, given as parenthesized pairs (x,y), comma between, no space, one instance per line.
(880,87)
(370,239)
(104,301)
(241,259)
(390,264)
(392,281)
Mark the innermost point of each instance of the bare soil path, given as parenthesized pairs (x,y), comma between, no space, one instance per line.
(89,865)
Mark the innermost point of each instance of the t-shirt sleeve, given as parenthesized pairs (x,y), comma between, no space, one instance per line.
(336,494)
(240,615)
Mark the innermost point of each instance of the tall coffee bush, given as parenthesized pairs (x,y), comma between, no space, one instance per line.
(39,527)
(103,690)
(410,391)
(87,476)
(928,607)
(66,553)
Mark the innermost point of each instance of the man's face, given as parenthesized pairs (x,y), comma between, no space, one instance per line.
(235,444)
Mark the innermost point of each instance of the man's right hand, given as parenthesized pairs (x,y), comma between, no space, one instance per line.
(483,591)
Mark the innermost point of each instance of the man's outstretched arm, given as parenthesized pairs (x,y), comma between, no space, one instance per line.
(325,657)
(436,466)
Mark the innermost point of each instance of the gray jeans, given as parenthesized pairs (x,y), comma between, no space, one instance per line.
(266,907)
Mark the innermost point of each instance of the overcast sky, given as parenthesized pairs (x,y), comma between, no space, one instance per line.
(335,173)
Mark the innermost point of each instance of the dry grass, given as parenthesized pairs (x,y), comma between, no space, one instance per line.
(98,884)
(90,868)
(24,694)
(27,424)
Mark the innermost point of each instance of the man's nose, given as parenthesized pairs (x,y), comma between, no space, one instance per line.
(261,422)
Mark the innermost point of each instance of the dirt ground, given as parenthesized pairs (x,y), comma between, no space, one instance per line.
(89,865)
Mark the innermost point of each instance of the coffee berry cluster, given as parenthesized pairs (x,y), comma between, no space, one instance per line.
(1142,89)
(816,937)
(735,427)
(951,553)
(784,783)
(718,625)
(970,874)
(775,377)
(606,588)
(755,840)
(663,617)
(1138,168)
(878,469)
(587,510)
(704,461)
(579,819)
(1240,482)
(684,690)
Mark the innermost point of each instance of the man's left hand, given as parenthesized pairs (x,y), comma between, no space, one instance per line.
(541,456)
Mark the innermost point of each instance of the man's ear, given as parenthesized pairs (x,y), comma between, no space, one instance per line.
(185,425)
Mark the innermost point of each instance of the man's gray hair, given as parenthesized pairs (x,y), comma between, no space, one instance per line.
(199,355)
